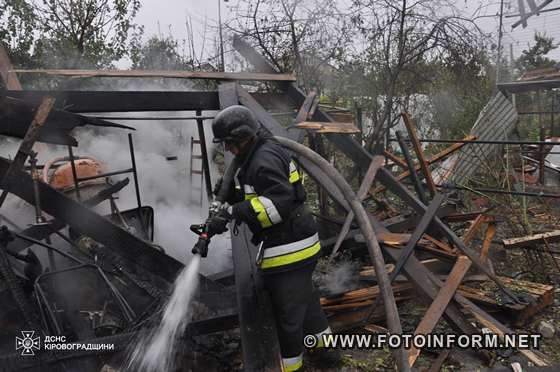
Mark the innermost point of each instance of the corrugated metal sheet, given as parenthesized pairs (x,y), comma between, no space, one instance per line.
(495,122)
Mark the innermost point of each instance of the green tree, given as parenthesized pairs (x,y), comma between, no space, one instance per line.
(86,33)
(535,56)
(159,54)
(17,23)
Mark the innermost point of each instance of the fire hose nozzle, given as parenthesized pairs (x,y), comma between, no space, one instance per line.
(201,246)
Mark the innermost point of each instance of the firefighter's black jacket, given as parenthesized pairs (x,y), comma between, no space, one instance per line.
(271,203)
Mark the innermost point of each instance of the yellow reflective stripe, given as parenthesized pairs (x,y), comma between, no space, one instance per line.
(260,210)
(294,174)
(291,257)
(292,364)
(250,196)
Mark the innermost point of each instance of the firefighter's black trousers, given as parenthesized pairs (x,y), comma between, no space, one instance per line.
(296,308)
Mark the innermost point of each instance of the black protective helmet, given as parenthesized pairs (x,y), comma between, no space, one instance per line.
(234,124)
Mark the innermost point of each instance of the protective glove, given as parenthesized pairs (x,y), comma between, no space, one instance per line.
(220,215)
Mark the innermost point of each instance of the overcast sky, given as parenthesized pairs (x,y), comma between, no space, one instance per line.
(169,17)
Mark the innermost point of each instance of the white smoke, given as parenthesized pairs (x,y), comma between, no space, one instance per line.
(164,185)
(339,277)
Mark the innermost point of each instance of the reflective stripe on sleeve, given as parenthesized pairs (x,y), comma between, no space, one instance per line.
(290,253)
(267,214)
(249,192)
(294,174)
(292,364)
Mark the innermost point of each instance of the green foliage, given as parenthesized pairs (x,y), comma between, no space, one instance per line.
(87,33)
(461,88)
(535,57)
(68,33)
(159,53)
(17,22)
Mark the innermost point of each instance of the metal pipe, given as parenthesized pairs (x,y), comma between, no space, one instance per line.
(35,241)
(374,250)
(151,118)
(136,187)
(108,174)
(74,173)
(492,142)
(204,153)
(497,191)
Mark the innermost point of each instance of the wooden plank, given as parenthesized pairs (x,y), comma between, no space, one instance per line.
(439,198)
(392,183)
(551,237)
(435,158)
(245,76)
(362,294)
(488,236)
(496,327)
(437,308)
(16,114)
(473,229)
(419,152)
(328,127)
(395,159)
(10,78)
(439,244)
(362,192)
(26,145)
(305,112)
(115,101)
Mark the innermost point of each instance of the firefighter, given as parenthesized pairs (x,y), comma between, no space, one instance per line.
(270,200)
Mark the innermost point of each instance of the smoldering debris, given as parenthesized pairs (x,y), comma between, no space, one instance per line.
(339,277)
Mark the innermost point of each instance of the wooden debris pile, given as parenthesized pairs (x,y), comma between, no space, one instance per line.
(433,257)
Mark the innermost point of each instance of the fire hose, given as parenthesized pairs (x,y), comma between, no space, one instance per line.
(393,321)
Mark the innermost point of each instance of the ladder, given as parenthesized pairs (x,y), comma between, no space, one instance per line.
(196,172)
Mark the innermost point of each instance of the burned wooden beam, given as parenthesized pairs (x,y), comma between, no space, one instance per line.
(437,308)
(142,101)
(362,192)
(121,101)
(435,158)
(31,135)
(16,114)
(550,237)
(206,75)
(419,153)
(418,233)
(328,127)
(401,163)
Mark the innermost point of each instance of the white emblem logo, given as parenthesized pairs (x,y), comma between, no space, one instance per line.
(27,343)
